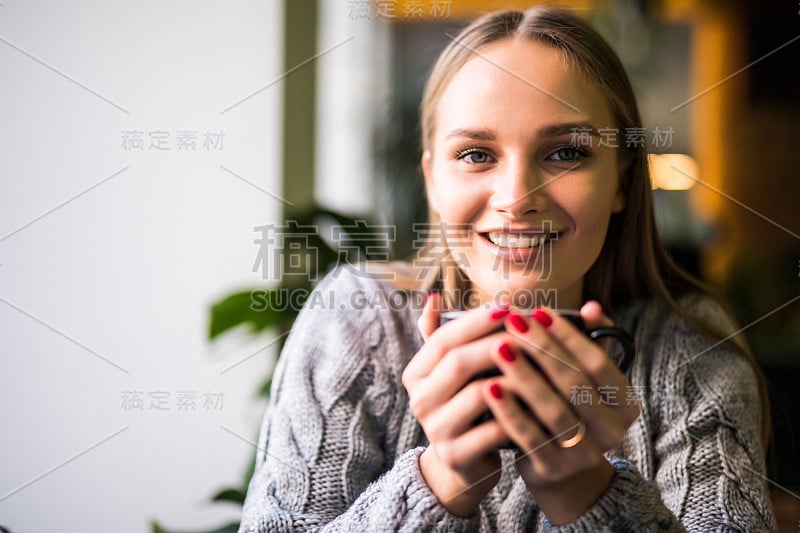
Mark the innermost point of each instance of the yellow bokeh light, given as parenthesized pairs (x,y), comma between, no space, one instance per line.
(673,172)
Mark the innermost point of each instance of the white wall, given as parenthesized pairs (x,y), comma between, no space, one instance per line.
(352,98)
(128,269)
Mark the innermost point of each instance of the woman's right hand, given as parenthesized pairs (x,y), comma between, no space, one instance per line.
(461,463)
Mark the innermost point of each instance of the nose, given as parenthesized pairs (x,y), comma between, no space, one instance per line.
(518,189)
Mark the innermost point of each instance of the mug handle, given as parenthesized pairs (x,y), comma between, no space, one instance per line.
(625,340)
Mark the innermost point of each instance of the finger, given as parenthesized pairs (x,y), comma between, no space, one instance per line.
(543,458)
(546,404)
(431,314)
(558,404)
(457,415)
(472,325)
(545,349)
(593,317)
(458,367)
(473,444)
(587,354)
(566,376)
(520,427)
(606,415)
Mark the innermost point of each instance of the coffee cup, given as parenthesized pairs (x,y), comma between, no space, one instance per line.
(596,334)
(574,317)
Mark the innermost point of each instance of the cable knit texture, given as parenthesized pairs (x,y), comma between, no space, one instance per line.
(339,447)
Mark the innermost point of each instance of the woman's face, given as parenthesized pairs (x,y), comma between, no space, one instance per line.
(526,207)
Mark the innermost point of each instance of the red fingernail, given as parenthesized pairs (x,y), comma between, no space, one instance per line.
(506,352)
(542,318)
(432,293)
(497,314)
(496,391)
(519,323)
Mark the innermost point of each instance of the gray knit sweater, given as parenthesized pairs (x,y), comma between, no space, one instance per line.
(339,447)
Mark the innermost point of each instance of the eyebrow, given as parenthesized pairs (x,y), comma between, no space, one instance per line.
(552,130)
(555,130)
(478,135)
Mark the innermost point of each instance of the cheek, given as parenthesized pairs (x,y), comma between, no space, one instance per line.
(458,200)
(582,203)
(590,197)
(458,207)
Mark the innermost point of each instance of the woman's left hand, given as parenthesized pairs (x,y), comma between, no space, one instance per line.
(562,442)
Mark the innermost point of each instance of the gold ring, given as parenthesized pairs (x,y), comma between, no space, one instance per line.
(576,438)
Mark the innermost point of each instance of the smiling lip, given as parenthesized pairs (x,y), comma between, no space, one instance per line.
(519,251)
(519,239)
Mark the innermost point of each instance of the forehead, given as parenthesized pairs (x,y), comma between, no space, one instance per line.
(515,86)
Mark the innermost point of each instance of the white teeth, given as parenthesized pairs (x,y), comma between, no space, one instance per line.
(504,240)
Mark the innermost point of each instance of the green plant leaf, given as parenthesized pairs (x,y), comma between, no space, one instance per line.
(233,527)
(262,308)
(265,387)
(245,307)
(248,473)
(229,495)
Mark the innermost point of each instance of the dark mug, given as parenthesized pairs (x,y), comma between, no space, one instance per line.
(597,334)
(574,317)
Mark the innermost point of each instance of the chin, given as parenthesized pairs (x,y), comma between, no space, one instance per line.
(522,290)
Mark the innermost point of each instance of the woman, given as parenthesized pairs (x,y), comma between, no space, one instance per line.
(371,424)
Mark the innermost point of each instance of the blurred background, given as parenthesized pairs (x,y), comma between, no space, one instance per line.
(146,148)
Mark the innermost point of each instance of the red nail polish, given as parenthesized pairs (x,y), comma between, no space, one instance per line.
(519,323)
(496,391)
(432,293)
(542,318)
(497,314)
(507,353)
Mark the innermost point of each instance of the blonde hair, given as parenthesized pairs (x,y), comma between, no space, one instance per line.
(632,263)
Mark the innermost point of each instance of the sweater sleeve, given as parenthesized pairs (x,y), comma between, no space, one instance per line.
(711,462)
(326,460)
(708,458)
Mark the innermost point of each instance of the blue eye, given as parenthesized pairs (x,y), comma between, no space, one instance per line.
(477,157)
(474,156)
(568,153)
